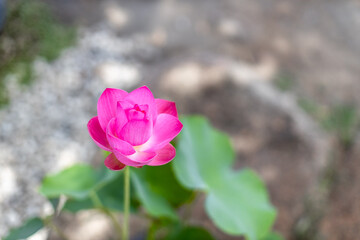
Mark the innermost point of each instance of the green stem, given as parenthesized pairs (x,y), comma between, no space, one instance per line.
(97,202)
(152,230)
(126,203)
(115,222)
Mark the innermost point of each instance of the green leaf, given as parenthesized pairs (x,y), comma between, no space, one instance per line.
(158,190)
(76,181)
(75,205)
(29,228)
(202,153)
(239,205)
(191,233)
(111,196)
(237,202)
(162,181)
(154,204)
(105,176)
(273,236)
(54,202)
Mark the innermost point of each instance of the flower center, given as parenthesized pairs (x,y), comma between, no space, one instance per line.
(137,112)
(137,148)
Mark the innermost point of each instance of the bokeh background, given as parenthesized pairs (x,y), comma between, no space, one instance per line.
(281,77)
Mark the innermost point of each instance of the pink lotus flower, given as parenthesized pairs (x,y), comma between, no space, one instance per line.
(135,127)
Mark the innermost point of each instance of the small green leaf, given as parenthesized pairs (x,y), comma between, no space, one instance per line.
(273,236)
(29,228)
(111,196)
(191,233)
(155,204)
(237,202)
(75,205)
(76,181)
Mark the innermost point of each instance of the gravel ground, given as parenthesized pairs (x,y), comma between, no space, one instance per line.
(44,128)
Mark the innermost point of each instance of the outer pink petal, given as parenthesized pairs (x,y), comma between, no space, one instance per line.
(107,104)
(166,128)
(164,155)
(164,106)
(97,134)
(137,159)
(115,142)
(142,96)
(142,156)
(136,132)
(113,164)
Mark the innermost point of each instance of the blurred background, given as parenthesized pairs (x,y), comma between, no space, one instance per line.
(281,77)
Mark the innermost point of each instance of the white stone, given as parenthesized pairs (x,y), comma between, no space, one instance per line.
(116,15)
(115,74)
(7,182)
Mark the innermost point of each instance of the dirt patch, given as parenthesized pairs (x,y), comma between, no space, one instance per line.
(342,216)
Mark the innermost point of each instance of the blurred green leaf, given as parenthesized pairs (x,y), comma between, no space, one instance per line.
(158,190)
(191,233)
(75,205)
(109,189)
(237,202)
(273,236)
(203,154)
(54,202)
(162,181)
(105,176)
(239,205)
(23,232)
(112,195)
(155,204)
(76,181)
